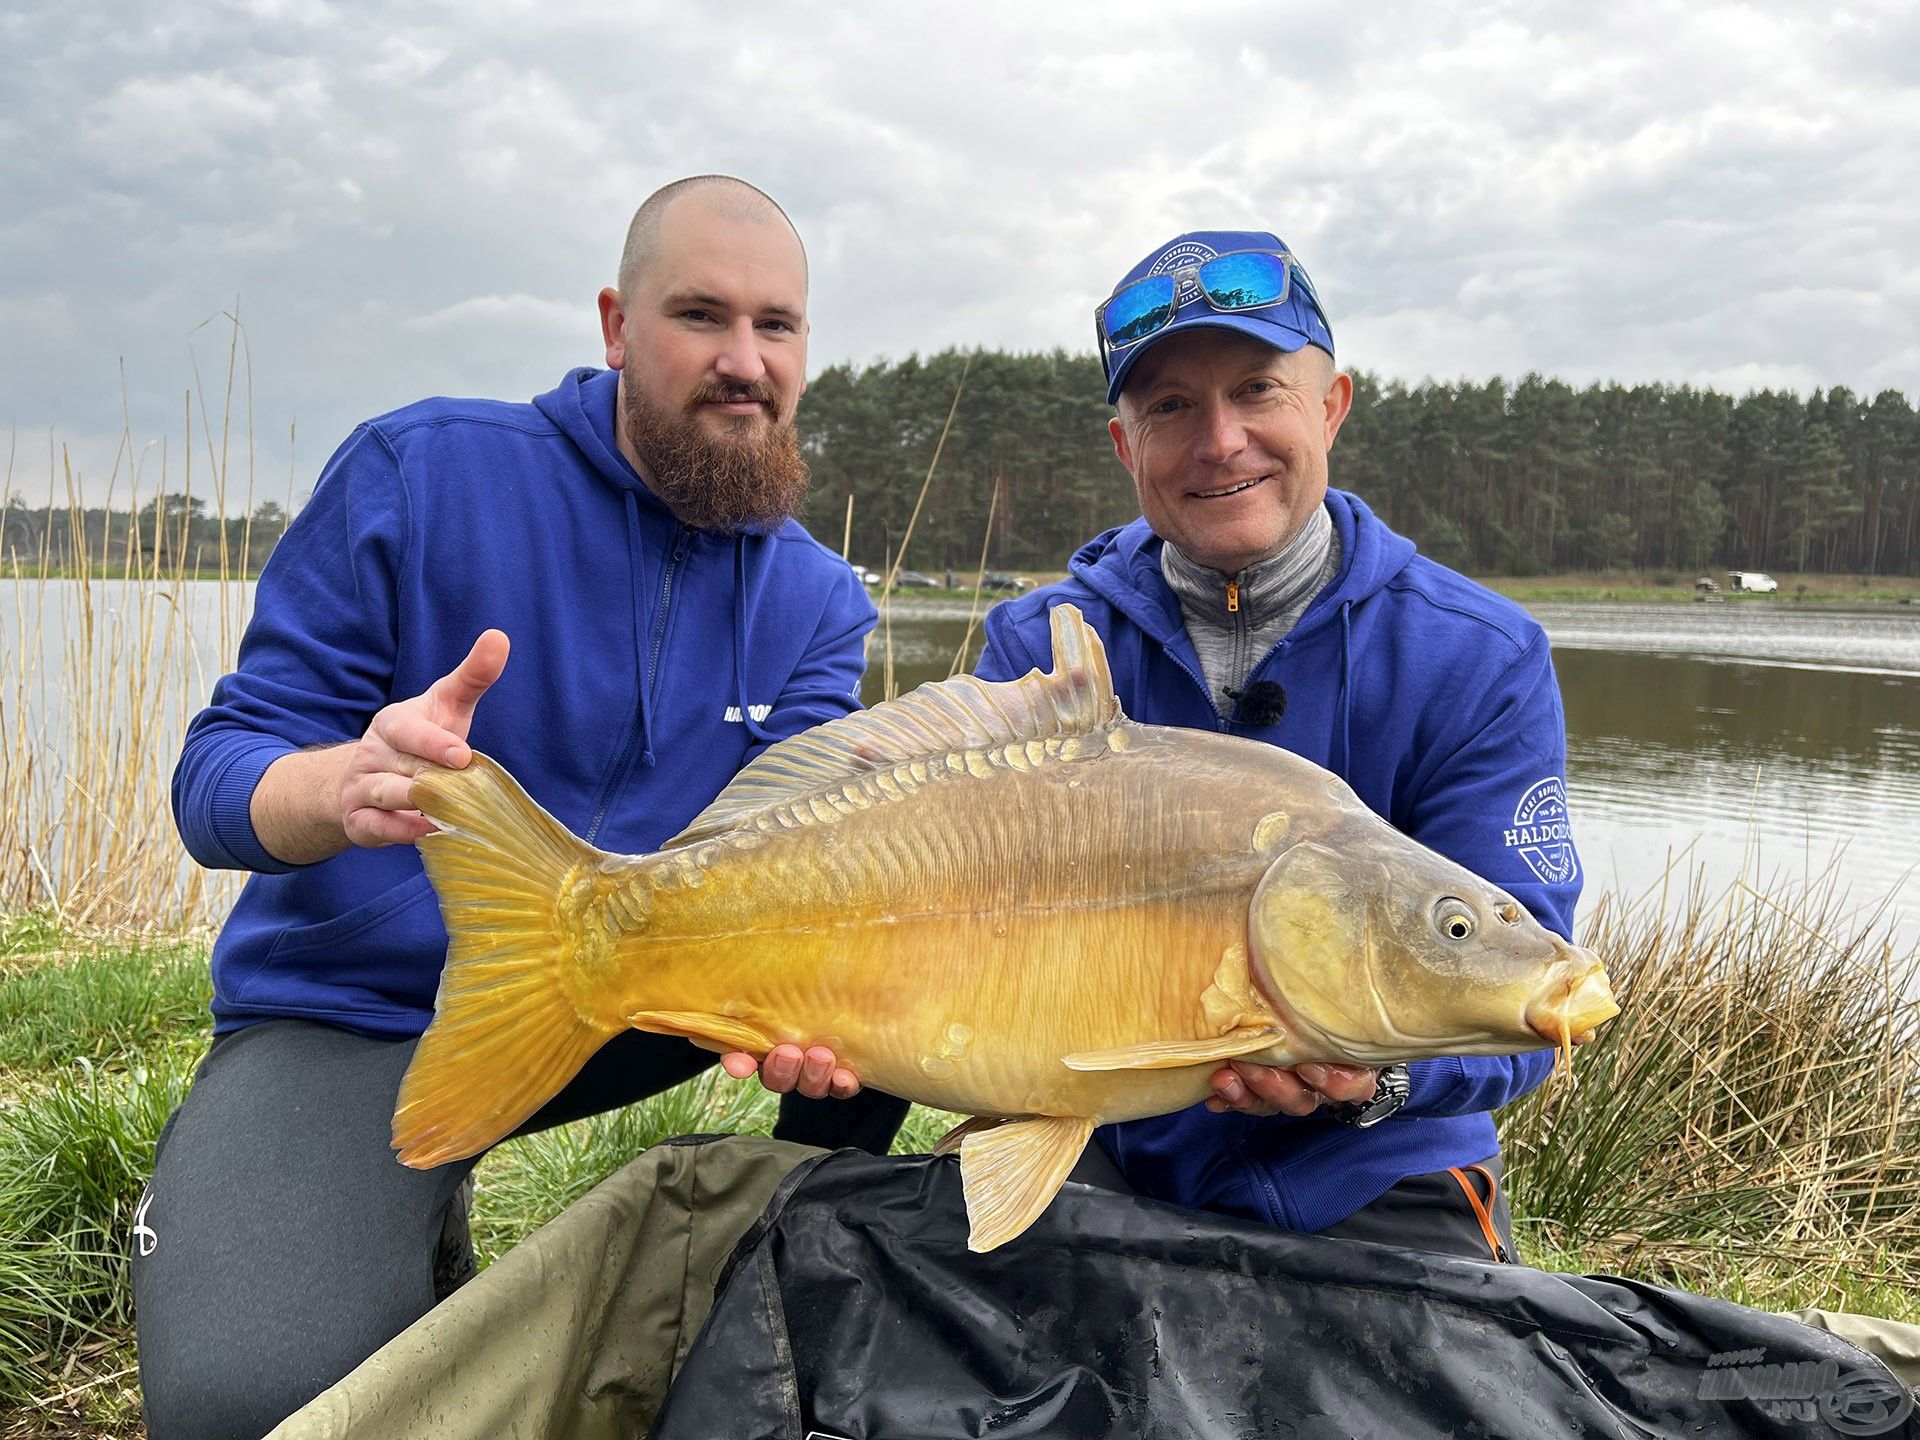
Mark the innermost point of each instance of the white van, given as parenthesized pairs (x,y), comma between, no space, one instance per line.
(1752,580)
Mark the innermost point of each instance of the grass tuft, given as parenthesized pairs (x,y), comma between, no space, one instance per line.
(109,1003)
(1755,1109)
(74,1157)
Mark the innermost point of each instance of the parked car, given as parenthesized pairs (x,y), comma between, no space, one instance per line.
(1001,580)
(1753,581)
(866,576)
(915,577)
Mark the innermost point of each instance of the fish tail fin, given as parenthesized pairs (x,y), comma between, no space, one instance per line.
(522,897)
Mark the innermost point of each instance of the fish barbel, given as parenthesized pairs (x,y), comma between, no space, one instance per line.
(1006,900)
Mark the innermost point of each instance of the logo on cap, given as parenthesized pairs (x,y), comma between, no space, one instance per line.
(1186,252)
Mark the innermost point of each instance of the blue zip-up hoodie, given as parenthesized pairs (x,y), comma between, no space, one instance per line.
(649,663)
(1435,700)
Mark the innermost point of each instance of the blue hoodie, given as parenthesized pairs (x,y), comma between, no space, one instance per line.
(1435,700)
(649,663)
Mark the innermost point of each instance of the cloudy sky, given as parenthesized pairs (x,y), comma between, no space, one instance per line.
(413,198)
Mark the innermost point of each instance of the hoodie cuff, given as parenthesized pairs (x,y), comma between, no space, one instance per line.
(1429,1082)
(229,809)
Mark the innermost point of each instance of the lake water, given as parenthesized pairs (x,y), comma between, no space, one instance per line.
(1754,739)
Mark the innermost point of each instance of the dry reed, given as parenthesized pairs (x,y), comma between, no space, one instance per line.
(100,676)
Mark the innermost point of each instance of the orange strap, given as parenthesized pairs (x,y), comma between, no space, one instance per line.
(1482,1209)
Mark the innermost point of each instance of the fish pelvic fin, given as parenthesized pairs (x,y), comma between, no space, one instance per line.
(938,720)
(1010,1173)
(517,891)
(707,1030)
(1171,1054)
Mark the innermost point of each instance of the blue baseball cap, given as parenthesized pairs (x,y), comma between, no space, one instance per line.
(1295,322)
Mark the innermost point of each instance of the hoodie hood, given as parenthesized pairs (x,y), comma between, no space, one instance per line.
(582,406)
(1122,566)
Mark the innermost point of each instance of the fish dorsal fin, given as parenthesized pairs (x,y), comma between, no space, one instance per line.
(938,719)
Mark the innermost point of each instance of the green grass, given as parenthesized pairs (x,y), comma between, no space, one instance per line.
(120,1000)
(74,1155)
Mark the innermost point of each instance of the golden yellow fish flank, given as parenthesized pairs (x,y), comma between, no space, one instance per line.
(1006,900)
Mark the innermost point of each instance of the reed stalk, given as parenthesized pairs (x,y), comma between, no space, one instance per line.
(889,688)
(100,677)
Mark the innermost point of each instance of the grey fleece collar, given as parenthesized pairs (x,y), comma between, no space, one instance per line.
(1286,582)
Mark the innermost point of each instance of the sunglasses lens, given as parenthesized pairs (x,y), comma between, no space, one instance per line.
(1138,310)
(1240,282)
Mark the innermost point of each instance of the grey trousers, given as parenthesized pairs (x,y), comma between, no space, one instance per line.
(280,1243)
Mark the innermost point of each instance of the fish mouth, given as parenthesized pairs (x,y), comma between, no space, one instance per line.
(1575,1001)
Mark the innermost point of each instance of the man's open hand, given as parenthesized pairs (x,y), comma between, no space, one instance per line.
(815,1072)
(313,804)
(407,734)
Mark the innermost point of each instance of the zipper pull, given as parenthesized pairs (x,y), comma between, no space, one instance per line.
(1233,597)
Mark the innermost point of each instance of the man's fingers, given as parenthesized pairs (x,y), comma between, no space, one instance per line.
(1230,1092)
(381,791)
(406,730)
(1340,1082)
(456,693)
(816,1072)
(780,1071)
(1281,1089)
(373,828)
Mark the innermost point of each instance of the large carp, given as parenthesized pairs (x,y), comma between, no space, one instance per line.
(1007,900)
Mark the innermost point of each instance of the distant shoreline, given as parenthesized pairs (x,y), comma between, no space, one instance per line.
(1876,592)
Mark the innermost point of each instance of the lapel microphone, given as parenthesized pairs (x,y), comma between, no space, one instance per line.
(1261,703)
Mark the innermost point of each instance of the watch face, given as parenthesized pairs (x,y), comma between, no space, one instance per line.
(1389,1094)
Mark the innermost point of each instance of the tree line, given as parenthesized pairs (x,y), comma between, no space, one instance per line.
(1492,477)
(169,534)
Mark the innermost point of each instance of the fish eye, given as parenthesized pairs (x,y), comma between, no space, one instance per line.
(1453,919)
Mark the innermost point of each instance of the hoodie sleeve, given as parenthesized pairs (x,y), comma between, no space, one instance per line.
(1497,804)
(825,684)
(316,661)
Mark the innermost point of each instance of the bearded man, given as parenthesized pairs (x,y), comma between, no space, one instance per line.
(631,531)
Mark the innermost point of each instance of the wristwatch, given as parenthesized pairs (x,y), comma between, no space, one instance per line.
(1390,1091)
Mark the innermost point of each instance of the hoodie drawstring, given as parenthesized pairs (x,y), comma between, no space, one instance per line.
(1346,688)
(639,629)
(743,607)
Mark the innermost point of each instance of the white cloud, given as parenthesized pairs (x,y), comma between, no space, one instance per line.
(421,197)
(518,311)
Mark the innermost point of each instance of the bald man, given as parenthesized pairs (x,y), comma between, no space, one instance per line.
(629,533)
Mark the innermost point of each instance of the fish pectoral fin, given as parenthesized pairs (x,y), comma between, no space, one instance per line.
(705,1029)
(979,1124)
(1170,1054)
(1009,1173)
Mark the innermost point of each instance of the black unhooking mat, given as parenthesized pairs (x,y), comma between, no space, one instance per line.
(854,1309)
